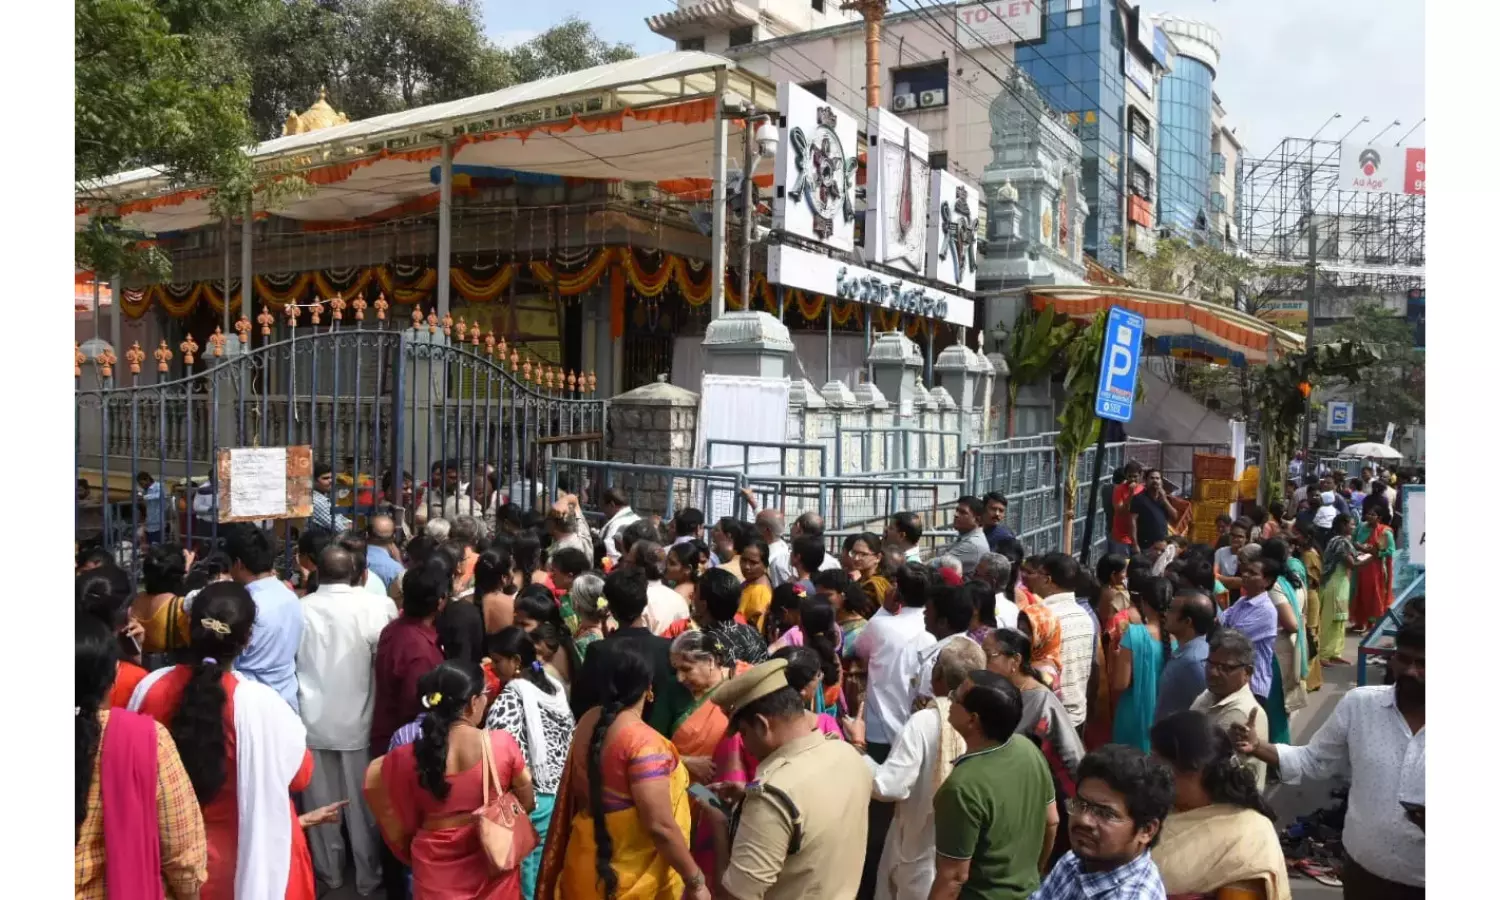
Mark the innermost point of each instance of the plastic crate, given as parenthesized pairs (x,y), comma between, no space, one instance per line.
(1203,532)
(1214,491)
(1212,467)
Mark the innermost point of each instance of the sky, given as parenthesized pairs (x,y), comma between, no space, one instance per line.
(1286,65)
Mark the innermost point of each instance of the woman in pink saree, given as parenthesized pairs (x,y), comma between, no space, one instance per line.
(424,794)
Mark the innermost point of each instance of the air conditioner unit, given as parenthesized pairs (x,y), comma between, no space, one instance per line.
(904,102)
(935,97)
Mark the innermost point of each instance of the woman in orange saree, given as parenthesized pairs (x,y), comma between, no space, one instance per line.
(1373,583)
(620,825)
(424,794)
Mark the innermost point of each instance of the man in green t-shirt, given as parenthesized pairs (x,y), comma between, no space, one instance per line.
(996,814)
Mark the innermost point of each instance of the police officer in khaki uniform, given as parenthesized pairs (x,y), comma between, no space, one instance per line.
(799,830)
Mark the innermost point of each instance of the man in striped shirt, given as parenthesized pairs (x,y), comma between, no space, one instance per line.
(1054,582)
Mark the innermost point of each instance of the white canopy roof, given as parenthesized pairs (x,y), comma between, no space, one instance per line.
(643,119)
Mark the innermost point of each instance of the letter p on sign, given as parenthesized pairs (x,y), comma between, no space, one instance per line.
(1118,365)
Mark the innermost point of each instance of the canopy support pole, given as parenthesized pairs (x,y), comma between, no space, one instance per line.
(445,228)
(828,344)
(228,325)
(716,238)
(116,298)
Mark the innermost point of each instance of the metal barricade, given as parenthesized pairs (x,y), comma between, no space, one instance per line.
(872,450)
(652,490)
(773,459)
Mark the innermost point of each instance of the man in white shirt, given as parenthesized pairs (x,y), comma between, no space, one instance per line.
(1054,584)
(888,646)
(994,570)
(903,532)
(771,526)
(810,524)
(919,762)
(663,604)
(335,690)
(947,616)
(1379,736)
(618,516)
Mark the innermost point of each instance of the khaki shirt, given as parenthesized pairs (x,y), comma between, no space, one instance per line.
(1235,710)
(830,786)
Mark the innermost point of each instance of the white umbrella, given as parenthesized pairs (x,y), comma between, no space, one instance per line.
(1370,450)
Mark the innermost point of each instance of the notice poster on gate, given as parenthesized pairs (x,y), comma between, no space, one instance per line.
(259,483)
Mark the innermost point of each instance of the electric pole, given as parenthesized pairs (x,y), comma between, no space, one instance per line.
(1312,300)
(874,13)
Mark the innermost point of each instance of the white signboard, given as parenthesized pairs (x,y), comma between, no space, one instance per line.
(257,481)
(1371,167)
(1139,73)
(1340,416)
(996,23)
(896,193)
(1142,155)
(815,163)
(953,231)
(1414,524)
(798,268)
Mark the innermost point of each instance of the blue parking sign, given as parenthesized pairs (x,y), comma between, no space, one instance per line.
(1119,362)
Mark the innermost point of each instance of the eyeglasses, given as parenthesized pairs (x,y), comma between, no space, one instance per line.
(1077,806)
(1211,666)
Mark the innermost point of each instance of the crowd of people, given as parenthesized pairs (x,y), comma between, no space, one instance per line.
(511,702)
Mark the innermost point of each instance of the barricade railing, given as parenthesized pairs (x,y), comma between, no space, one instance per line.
(859,449)
(854,505)
(758,457)
(651,489)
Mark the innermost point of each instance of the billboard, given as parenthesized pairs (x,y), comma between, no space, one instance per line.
(831,277)
(897,190)
(1138,73)
(815,163)
(1381,169)
(953,232)
(998,22)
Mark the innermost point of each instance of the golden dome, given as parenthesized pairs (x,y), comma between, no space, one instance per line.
(318,116)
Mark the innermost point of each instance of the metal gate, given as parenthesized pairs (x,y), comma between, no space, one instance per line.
(371,401)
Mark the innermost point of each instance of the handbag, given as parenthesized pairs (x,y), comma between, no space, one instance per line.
(505,831)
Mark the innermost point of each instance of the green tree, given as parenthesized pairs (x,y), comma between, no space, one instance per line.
(151,88)
(1035,353)
(1393,392)
(566,47)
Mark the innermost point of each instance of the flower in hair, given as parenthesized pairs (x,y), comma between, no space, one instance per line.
(432,700)
(800,591)
(603,605)
(216,626)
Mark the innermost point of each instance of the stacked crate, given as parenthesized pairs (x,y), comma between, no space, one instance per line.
(1214,490)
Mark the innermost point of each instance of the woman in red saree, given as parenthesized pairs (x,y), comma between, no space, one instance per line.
(620,826)
(1373,593)
(244,750)
(424,794)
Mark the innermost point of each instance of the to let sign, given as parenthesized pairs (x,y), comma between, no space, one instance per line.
(1119,363)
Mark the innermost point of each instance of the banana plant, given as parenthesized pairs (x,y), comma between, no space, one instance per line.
(1077,426)
(1034,354)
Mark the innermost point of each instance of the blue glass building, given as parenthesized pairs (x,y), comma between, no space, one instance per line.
(1185,111)
(1076,68)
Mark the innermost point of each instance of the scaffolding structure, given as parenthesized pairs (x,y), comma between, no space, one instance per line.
(1367,243)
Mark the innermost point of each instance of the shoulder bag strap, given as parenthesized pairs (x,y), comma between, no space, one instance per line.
(489,768)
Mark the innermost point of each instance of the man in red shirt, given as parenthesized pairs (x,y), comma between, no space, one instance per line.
(408,649)
(1125,491)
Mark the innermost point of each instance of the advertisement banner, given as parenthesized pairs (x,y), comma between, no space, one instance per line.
(1138,73)
(996,23)
(1380,169)
(1416,170)
(815,163)
(1138,210)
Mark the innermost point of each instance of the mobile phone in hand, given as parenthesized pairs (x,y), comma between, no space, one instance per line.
(704,795)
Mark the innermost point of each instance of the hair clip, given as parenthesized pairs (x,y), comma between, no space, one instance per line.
(210,661)
(432,699)
(216,627)
(536,665)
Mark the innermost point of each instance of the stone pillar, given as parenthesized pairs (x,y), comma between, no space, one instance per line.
(655,424)
(807,423)
(747,342)
(896,363)
(960,370)
(424,395)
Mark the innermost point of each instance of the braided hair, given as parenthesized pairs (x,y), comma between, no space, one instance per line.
(820,633)
(629,681)
(94,660)
(219,630)
(1190,742)
(514,642)
(444,692)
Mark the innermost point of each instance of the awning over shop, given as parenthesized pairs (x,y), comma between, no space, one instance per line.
(649,119)
(1178,326)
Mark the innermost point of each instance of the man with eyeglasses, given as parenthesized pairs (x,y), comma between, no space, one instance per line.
(1113,821)
(996,813)
(1228,701)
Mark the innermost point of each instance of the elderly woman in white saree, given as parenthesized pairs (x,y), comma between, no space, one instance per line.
(920,760)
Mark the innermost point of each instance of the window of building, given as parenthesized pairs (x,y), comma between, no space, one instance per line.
(1216,202)
(938,159)
(745,34)
(1140,126)
(817,5)
(1140,182)
(818,89)
(926,85)
(1218,164)
(690,44)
